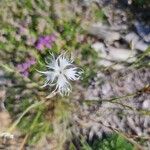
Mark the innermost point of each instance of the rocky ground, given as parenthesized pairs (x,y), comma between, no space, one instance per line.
(117,101)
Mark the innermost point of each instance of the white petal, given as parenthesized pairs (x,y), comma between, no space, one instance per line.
(63,62)
(53,65)
(72,74)
(63,86)
(50,77)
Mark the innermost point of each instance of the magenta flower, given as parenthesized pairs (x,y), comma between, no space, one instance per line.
(24,67)
(25,74)
(45,42)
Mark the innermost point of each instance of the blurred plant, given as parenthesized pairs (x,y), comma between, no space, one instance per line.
(89,57)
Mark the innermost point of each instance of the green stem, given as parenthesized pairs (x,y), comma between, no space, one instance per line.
(27,110)
(111,100)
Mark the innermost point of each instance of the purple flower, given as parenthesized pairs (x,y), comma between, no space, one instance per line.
(45,42)
(47,38)
(40,46)
(48,45)
(25,73)
(24,67)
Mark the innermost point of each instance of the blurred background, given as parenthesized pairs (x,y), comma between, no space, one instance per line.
(109,108)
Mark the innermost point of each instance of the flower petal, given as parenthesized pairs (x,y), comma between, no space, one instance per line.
(52,64)
(72,73)
(63,86)
(63,62)
(50,77)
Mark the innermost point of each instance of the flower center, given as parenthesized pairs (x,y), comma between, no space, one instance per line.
(60,72)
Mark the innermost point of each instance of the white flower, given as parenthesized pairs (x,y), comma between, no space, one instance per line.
(60,71)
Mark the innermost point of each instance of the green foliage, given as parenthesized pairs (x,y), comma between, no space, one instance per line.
(69,30)
(143,59)
(72,147)
(112,142)
(85,145)
(90,57)
(35,126)
(99,15)
(88,53)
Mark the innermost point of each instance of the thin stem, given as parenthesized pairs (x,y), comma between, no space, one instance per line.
(28,109)
(112,99)
(23,142)
(22,115)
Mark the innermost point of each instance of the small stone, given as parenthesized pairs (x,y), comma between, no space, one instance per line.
(146,104)
(135,42)
(118,54)
(118,66)
(98,46)
(140,45)
(104,32)
(105,63)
